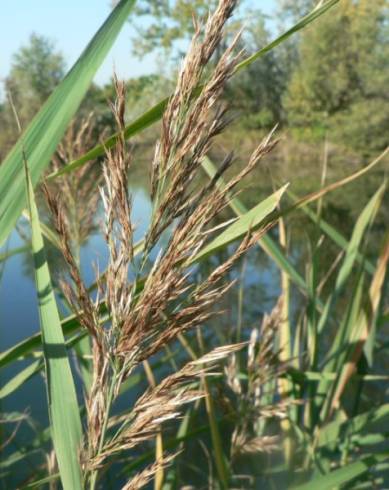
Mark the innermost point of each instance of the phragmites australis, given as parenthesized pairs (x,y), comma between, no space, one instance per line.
(162,301)
(256,399)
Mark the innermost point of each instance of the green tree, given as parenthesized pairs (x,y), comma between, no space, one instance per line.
(295,9)
(257,91)
(340,84)
(36,69)
(165,24)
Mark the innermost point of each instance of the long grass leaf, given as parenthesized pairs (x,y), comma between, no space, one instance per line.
(340,346)
(34,368)
(15,251)
(361,225)
(64,413)
(331,432)
(363,327)
(27,346)
(271,248)
(314,376)
(246,222)
(16,381)
(42,136)
(351,254)
(285,346)
(364,220)
(375,293)
(343,475)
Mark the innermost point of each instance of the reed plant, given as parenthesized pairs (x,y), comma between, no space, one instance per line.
(271,408)
(144,315)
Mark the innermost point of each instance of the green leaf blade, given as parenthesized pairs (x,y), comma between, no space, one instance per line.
(249,221)
(64,413)
(343,475)
(16,381)
(39,141)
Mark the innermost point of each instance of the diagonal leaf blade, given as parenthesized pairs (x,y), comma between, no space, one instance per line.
(333,431)
(343,475)
(246,222)
(44,133)
(24,375)
(271,248)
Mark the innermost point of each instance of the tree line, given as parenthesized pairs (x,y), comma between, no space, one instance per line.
(331,81)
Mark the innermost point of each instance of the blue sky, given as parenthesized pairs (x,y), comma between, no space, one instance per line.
(71,25)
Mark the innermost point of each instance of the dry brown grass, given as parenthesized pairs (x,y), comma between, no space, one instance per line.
(162,302)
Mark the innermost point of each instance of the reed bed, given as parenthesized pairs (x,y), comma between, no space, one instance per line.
(269,409)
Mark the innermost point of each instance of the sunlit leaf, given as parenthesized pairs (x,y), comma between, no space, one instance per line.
(40,140)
